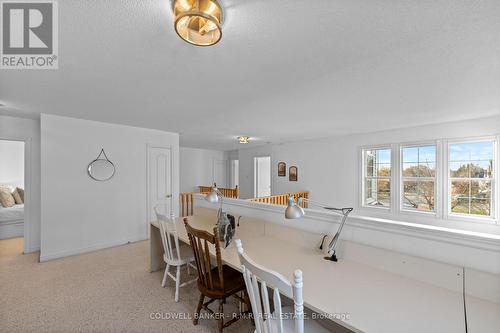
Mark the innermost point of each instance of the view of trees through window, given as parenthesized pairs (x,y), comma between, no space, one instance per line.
(377,174)
(418,177)
(471,177)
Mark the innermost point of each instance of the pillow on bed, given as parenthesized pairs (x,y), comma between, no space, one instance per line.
(21,193)
(17,197)
(6,197)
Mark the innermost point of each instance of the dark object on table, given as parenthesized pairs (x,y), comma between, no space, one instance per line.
(232,220)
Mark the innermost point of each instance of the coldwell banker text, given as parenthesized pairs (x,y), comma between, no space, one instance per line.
(29,35)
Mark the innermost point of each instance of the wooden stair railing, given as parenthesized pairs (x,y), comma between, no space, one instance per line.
(226,192)
(186,202)
(282,199)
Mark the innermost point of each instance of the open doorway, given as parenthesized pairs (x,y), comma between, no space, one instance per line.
(262,176)
(12,196)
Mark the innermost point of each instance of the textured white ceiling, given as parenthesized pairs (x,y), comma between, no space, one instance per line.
(285,70)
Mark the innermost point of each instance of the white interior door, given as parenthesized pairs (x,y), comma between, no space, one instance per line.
(220,173)
(160,181)
(234,173)
(262,176)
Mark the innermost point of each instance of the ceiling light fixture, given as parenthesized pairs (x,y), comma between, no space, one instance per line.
(198,22)
(243,139)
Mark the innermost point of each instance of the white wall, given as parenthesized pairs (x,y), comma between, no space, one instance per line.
(201,167)
(233,154)
(328,168)
(12,163)
(80,214)
(27,130)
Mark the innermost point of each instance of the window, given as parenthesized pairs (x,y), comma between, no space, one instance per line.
(471,178)
(414,173)
(377,177)
(418,178)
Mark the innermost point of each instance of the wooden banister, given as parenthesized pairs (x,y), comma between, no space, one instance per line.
(227,192)
(186,202)
(282,199)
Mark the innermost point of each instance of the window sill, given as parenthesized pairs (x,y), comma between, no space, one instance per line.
(429,231)
(423,229)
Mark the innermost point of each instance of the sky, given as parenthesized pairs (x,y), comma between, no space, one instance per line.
(478,151)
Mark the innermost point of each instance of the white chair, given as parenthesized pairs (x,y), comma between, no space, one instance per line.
(282,319)
(174,254)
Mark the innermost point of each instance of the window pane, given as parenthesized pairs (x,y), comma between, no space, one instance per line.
(418,195)
(480,207)
(427,169)
(460,188)
(481,169)
(377,192)
(427,154)
(473,163)
(410,169)
(383,156)
(426,196)
(370,191)
(384,192)
(459,170)
(471,151)
(460,205)
(481,189)
(383,170)
(410,155)
(378,162)
(410,199)
(419,161)
(377,189)
(370,163)
(471,197)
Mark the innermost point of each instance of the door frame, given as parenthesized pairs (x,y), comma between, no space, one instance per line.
(28,192)
(232,172)
(255,174)
(149,147)
(214,164)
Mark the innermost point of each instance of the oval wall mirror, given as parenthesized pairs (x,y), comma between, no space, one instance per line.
(101,169)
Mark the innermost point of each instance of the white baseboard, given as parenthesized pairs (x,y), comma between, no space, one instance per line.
(32,249)
(57,255)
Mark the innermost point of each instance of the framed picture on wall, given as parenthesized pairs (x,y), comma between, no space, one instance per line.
(293,174)
(281,169)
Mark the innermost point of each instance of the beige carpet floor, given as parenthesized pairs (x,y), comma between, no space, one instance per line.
(110,290)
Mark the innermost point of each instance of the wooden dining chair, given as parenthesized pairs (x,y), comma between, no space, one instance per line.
(215,283)
(282,320)
(175,255)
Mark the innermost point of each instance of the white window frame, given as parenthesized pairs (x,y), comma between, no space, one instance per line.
(436,178)
(442,184)
(494,188)
(363,177)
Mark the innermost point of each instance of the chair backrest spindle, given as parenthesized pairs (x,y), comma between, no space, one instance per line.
(169,237)
(200,242)
(259,297)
